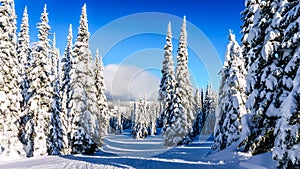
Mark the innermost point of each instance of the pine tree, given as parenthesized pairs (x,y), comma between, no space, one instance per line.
(101,98)
(66,92)
(232,102)
(9,89)
(168,78)
(41,91)
(85,136)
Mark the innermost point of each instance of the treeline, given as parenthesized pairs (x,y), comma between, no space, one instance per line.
(259,93)
(44,112)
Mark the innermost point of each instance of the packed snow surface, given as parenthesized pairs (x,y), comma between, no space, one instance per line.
(122,151)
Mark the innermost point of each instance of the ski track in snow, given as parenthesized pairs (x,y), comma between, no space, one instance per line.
(122,151)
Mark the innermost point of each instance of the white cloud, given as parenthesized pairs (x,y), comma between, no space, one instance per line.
(130,82)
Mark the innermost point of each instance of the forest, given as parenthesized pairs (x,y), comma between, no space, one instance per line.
(57,105)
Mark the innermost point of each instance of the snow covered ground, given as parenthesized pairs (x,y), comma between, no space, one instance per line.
(122,151)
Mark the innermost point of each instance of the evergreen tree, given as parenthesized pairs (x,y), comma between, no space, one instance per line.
(55,139)
(286,150)
(208,111)
(183,92)
(167,80)
(85,136)
(178,129)
(24,58)
(66,91)
(198,100)
(101,98)
(40,103)
(139,129)
(9,89)
(264,81)
(287,128)
(23,50)
(152,112)
(232,102)
(183,77)
(198,109)
(249,31)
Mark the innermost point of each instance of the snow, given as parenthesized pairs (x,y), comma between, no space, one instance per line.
(196,155)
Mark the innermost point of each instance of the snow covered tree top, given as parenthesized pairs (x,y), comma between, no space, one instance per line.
(43,25)
(70,36)
(83,32)
(25,18)
(183,33)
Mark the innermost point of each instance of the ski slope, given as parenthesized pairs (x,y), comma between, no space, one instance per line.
(122,151)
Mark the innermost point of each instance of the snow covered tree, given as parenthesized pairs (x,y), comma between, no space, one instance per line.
(286,150)
(40,103)
(23,50)
(249,31)
(66,62)
(263,77)
(10,110)
(24,58)
(206,117)
(101,98)
(183,77)
(232,103)
(181,110)
(178,129)
(85,136)
(198,100)
(57,130)
(153,109)
(140,128)
(167,83)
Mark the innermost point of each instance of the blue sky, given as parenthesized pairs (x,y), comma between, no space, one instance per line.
(213,18)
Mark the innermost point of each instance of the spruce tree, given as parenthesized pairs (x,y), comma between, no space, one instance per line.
(286,151)
(177,129)
(101,98)
(23,50)
(198,109)
(85,136)
(66,92)
(208,110)
(183,76)
(181,110)
(57,130)
(263,78)
(232,102)
(39,107)
(287,128)
(9,79)
(139,129)
(24,58)
(249,31)
(167,80)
